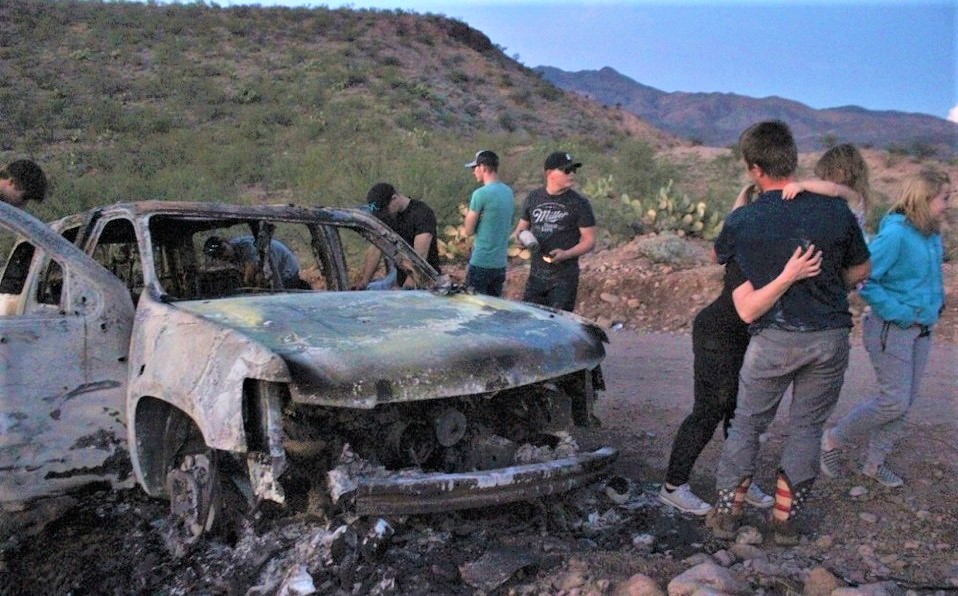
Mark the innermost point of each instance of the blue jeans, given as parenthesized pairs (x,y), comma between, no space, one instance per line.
(899,357)
(485,280)
(814,363)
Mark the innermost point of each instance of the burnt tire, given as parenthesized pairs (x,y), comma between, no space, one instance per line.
(203,502)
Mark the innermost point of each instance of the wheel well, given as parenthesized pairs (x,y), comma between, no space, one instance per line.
(154,421)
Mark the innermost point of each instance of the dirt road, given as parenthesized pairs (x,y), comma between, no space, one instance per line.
(649,377)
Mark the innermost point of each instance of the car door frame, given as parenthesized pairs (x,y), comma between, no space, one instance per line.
(63,373)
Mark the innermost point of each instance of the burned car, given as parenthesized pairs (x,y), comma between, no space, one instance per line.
(132,348)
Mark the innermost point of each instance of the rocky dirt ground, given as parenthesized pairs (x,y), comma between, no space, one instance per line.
(612,537)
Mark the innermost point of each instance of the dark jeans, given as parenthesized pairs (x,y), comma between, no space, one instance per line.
(557,292)
(486,281)
(716,367)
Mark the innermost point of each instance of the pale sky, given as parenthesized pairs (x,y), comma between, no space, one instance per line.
(879,55)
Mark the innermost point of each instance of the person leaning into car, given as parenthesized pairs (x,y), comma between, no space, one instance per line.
(413,220)
(22,181)
(242,252)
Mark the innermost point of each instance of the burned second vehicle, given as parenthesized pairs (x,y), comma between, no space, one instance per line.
(218,352)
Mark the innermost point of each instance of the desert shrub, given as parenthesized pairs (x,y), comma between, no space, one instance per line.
(921,150)
(522,97)
(550,92)
(246,95)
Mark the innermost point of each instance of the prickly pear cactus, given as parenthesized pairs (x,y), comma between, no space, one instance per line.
(455,246)
(667,211)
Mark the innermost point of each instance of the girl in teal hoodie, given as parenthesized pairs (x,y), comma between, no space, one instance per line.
(906,294)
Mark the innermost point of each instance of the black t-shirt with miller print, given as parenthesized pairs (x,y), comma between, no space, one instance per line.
(555,221)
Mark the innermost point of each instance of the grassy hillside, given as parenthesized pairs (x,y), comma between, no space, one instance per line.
(126,101)
(121,101)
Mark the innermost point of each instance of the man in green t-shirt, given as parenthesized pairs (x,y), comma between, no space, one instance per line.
(490,218)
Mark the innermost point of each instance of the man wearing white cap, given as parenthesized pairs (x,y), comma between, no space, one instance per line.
(490,218)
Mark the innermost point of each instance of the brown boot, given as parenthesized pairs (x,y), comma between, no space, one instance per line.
(726,515)
(787,527)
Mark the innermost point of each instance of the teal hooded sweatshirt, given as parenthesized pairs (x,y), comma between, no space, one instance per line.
(906,284)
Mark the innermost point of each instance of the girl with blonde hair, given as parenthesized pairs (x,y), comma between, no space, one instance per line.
(842,173)
(906,294)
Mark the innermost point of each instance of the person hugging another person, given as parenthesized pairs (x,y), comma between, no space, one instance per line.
(802,341)
(906,294)
(719,340)
(842,173)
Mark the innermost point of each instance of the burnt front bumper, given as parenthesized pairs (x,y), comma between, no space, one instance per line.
(412,493)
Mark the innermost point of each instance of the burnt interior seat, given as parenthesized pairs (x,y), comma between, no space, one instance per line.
(218,282)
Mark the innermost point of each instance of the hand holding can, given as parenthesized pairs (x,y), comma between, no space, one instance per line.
(528,239)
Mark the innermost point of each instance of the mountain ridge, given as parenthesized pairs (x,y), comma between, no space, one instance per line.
(717,118)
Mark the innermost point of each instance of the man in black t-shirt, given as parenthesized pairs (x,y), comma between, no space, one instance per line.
(414,222)
(564,228)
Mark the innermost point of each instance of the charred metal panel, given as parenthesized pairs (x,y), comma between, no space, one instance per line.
(412,493)
(58,424)
(199,367)
(63,377)
(359,349)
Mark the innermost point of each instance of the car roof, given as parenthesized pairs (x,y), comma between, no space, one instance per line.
(225,210)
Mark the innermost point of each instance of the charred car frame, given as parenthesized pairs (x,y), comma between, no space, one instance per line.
(205,384)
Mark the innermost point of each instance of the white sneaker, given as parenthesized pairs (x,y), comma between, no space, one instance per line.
(683,499)
(756,498)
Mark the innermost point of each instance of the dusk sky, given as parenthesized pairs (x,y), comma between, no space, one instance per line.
(878,55)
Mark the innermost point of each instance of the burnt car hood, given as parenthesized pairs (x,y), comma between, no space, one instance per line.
(358,349)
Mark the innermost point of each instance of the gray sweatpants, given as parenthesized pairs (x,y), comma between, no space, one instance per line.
(814,362)
(899,357)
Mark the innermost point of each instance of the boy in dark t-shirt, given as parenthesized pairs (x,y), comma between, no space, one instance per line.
(762,236)
(564,227)
(414,222)
(802,341)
